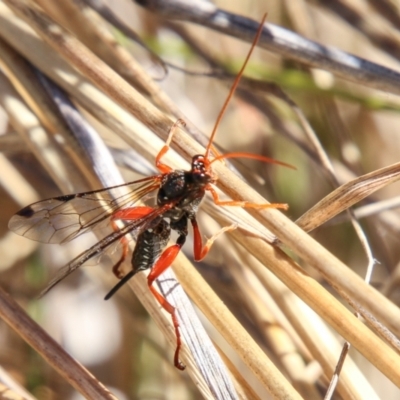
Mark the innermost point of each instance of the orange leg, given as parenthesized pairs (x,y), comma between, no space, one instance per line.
(132,213)
(199,250)
(164,168)
(125,249)
(165,260)
(244,204)
(126,214)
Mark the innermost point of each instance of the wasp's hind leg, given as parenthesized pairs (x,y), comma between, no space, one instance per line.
(164,262)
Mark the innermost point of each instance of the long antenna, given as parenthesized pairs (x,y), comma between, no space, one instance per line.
(234,86)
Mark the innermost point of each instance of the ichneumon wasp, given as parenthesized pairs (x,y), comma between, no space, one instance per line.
(63,218)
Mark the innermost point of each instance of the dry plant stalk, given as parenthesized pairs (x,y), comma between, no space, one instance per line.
(69,368)
(110,99)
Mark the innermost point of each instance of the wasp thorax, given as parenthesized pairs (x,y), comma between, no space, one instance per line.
(173,185)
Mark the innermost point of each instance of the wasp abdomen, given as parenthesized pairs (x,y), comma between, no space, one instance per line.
(149,245)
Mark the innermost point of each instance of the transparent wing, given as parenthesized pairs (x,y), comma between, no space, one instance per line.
(104,245)
(63,218)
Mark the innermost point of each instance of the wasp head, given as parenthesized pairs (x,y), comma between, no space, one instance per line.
(201,170)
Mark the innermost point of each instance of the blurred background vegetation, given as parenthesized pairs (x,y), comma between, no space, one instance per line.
(356,125)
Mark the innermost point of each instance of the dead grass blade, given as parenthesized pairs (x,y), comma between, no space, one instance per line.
(347,195)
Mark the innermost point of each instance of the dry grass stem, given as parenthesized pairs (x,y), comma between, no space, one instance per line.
(233,332)
(33,334)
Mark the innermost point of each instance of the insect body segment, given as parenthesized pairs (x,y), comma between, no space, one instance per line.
(150,244)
